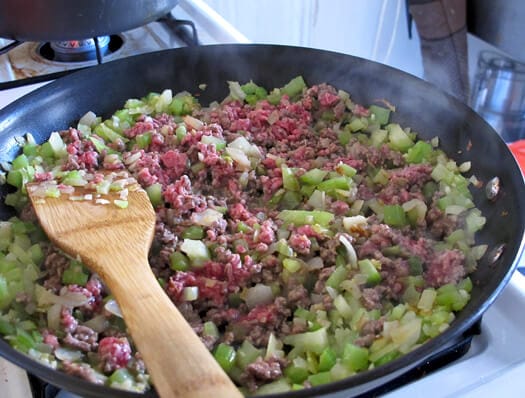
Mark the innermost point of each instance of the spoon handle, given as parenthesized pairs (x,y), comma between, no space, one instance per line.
(161,334)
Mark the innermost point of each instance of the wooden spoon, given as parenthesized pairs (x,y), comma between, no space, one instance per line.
(114,242)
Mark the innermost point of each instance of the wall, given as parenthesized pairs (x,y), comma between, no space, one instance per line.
(372,29)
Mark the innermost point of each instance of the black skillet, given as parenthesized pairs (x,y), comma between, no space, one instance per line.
(462,134)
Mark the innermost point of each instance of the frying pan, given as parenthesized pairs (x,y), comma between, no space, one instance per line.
(45,20)
(462,134)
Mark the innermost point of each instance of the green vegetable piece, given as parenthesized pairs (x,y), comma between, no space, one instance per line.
(74,275)
(355,357)
(290,200)
(5,296)
(143,141)
(196,251)
(398,138)
(294,87)
(305,217)
(108,134)
(378,137)
(344,137)
(357,124)
(419,152)
(193,232)
(338,276)
(394,215)
(313,176)
(20,162)
(30,150)
(16,178)
(154,192)
(274,97)
(284,249)
(334,183)
(120,377)
(179,262)
(369,268)
(225,355)
(296,374)
(320,378)
(180,132)
(291,265)
(314,342)
(290,181)
(415,265)
(247,354)
(345,170)
(327,360)
(6,328)
(381,115)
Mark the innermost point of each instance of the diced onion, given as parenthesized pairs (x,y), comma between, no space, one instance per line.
(112,307)
(464,167)
(99,323)
(65,354)
(243,144)
(53,316)
(239,157)
(193,122)
(69,299)
(315,263)
(352,255)
(350,223)
(236,91)
(258,295)
(89,119)
(190,293)
(206,218)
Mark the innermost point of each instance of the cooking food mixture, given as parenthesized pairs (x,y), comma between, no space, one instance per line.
(303,236)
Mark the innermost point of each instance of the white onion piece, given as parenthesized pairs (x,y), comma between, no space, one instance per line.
(193,122)
(258,295)
(65,354)
(112,307)
(89,119)
(190,293)
(98,323)
(244,145)
(207,217)
(239,157)
(53,316)
(164,100)
(352,255)
(315,263)
(317,200)
(236,91)
(354,222)
(68,299)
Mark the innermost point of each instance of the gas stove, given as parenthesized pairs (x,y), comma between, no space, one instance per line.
(190,23)
(489,361)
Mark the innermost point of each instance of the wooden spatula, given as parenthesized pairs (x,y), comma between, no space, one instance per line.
(114,242)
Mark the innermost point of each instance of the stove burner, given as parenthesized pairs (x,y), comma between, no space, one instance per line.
(80,50)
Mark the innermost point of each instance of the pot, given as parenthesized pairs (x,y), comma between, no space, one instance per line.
(55,20)
(462,133)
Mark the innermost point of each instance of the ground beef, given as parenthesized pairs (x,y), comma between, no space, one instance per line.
(83,338)
(54,263)
(262,370)
(114,353)
(82,370)
(446,267)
